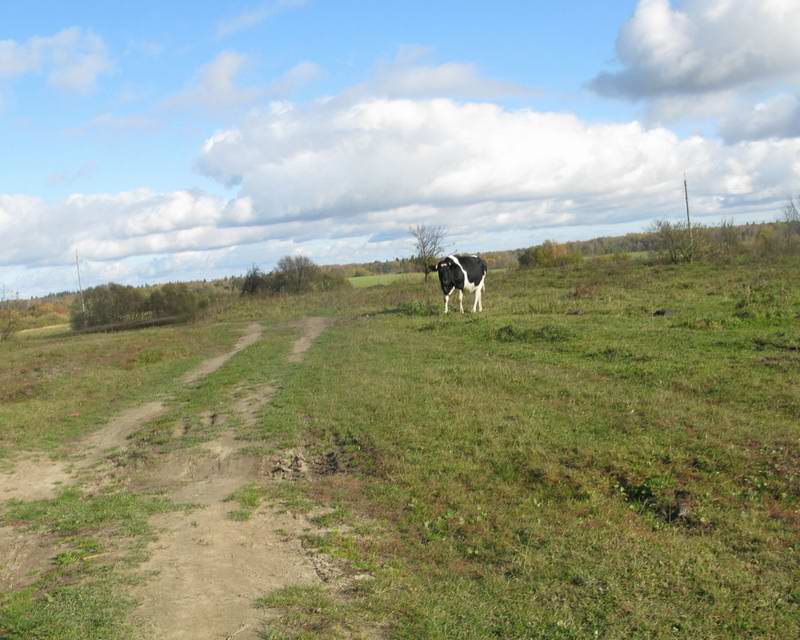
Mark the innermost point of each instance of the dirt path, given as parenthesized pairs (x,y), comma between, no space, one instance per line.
(39,477)
(22,557)
(312,329)
(207,568)
(251,335)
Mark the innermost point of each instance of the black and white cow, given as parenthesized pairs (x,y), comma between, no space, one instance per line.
(462,272)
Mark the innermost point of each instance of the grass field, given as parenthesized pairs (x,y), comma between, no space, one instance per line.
(608,451)
(384,279)
(360,282)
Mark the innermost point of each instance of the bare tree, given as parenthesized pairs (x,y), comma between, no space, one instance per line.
(299,271)
(8,315)
(675,240)
(729,238)
(428,244)
(791,221)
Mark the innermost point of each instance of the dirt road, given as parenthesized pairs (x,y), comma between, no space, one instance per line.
(206,569)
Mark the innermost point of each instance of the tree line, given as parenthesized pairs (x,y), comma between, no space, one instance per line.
(119,306)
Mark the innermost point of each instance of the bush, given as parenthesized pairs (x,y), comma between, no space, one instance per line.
(175,300)
(107,304)
(116,304)
(9,320)
(549,254)
(255,281)
(675,241)
(293,274)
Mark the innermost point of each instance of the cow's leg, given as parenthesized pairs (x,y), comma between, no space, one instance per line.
(461,300)
(446,300)
(475,301)
(479,293)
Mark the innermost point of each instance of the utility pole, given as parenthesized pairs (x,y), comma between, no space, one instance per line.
(80,288)
(688,218)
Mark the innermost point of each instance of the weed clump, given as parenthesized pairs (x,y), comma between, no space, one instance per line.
(546,333)
(763,301)
(648,496)
(418,308)
(780,341)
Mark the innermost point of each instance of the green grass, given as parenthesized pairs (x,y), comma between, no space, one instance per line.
(91,610)
(81,596)
(567,464)
(249,498)
(98,537)
(360,282)
(53,389)
(611,450)
(73,513)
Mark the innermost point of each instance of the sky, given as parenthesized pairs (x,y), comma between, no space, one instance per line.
(190,140)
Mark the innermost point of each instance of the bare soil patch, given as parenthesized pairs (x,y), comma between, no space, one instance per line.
(40,477)
(34,478)
(208,569)
(312,328)
(248,406)
(115,434)
(24,557)
(251,336)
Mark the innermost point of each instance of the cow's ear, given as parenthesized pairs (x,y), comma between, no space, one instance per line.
(433,267)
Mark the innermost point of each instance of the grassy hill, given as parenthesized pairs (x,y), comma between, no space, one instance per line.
(611,450)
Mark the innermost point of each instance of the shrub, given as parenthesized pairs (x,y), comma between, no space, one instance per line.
(293,274)
(255,281)
(175,300)
(115,304)
(107,304)
(675,241)
(549,254)
(9,320)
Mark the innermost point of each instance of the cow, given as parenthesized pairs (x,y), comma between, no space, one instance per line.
(462,272)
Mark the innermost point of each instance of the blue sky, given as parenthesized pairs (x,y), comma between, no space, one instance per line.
(180,140)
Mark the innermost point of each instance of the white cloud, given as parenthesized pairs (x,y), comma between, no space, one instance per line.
(705,46)
(254,16)
(298,76)
(409,75)
(216,85)
(778,117)
(343,180)
(72,59)
(451,79)
(375,158)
